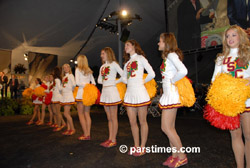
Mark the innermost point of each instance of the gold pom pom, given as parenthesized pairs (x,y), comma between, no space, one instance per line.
(75,91)
(90,95)
(121,87)
(186,92)
(227,95)
(27,93)
(39,91)
(151,87)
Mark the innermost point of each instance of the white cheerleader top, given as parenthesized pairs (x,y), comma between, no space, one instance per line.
(231,66)
(57,87)
(68,82)
(172,69)
(108,72)
(82,80)
(134,70)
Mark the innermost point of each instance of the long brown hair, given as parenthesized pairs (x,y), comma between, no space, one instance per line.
(170,45)
(110,54)
(244,45)
(138,50)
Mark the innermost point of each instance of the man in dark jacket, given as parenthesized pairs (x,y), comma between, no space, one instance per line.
(189,19)
(13,84)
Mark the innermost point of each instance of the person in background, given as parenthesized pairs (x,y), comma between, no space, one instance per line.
(4,83)
(14,85)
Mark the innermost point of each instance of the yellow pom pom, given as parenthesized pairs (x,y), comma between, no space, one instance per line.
(90,94)
(75,92)
(186,92)
(151,87)
(227,95)
(27,93)
(39,91)
(121,87)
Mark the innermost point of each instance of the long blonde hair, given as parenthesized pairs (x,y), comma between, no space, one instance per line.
(83,65)
(64,65)
(244,45)
(110,54)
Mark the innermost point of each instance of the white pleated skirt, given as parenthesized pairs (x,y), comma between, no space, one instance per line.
(67,98)
(136,96)
(170,97)
(110,96)
(56,98)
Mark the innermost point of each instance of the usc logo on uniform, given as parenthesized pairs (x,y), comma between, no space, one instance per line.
(234,67)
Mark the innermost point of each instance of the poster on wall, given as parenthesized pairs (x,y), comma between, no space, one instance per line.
(40,65)
(199,23)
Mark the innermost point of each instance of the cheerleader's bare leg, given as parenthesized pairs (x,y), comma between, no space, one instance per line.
(43,113)
(68,117)
(245,122)
(34,112)
(114,121)
(132,115)
(168,127)
(83,122)
(60,117)
(50,114)
(88,119)
(238,147)
(55,115)
(108,113)
(142,114)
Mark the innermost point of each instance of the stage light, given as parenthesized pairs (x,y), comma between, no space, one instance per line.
(124,13)
(75,62)
(71,60)
(26,59)
(104,19)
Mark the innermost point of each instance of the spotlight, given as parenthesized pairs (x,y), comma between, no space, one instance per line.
(124,13)
(75,62)
(105,19)
(71,60)
(26,59)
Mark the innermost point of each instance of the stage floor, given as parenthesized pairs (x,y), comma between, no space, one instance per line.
(23,146)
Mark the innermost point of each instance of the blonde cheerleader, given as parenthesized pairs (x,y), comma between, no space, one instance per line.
(37,102)
(68,84)
(136,98)
(172,70)
(234,60)
(56,89)
(110,97)
(84,75)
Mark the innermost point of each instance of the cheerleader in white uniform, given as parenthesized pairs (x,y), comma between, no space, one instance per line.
(136,98)
(172,70)
(110,97)
(56,89)
(46,85)
(37,102)
(68,84)
(234,60)
(84,75)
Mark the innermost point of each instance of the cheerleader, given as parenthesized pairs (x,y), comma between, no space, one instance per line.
(37,102)
(172,70)
(84,75)
(56,89)
(46,86)
(68,84)
(234,60)
(110,97)
(136,97)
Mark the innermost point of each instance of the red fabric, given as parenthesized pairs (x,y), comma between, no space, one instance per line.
(33,97)
(220,121)
(44,86)
(47,99)
(98,97)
